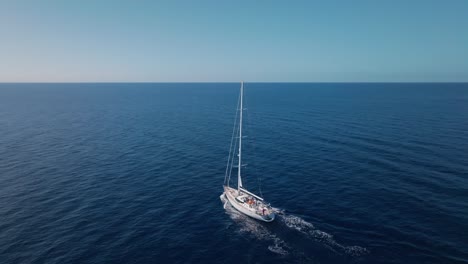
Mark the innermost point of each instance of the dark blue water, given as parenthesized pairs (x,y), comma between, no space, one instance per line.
(132,173)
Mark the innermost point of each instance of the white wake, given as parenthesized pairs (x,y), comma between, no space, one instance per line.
(308,229)
(293,223)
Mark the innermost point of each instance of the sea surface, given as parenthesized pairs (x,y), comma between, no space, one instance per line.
(133,173)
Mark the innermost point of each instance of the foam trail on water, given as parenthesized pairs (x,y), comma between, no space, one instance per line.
(255,228)
(292,222)
(304,227)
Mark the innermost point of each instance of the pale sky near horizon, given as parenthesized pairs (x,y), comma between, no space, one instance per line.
(271,41)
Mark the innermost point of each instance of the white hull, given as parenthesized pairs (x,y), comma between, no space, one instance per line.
(244,208)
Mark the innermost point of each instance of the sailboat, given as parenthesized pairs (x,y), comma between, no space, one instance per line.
(241,199)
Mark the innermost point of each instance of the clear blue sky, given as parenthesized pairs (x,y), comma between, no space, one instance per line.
(87,40)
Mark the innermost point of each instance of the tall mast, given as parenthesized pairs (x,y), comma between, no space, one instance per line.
(239,179)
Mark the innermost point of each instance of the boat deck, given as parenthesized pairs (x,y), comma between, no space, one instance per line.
(249,202)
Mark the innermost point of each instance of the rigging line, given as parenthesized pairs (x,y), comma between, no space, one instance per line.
(254,151)
(229,167)
(232,139)
(232,161)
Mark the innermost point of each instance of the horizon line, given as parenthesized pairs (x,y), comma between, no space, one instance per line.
(149,82)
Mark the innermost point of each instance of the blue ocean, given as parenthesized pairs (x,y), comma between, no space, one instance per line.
(133,173)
